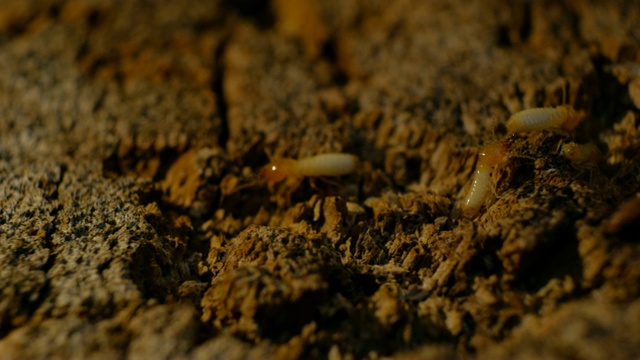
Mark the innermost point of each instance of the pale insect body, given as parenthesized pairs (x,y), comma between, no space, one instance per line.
(563,116)
(331,164)
(481,185)
(489,156)
(582,154)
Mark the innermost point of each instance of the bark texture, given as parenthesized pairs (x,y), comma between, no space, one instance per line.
(133,224)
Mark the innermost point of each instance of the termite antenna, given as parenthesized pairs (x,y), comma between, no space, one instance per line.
(565,85)
(269,154)
(559,147)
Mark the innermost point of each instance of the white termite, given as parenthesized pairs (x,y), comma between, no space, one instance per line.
(563,116)
(330,164)
(481,185)
(582,154)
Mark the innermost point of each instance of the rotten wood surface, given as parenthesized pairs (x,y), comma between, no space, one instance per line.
(133,224)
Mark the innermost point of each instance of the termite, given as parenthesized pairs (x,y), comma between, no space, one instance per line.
(562,116)
(330,164)
(582,154)
(488,157)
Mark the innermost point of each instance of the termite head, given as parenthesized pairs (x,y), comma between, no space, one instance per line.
(491,154)
(571,117)
(582,153)
(570,151)
(278,170)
